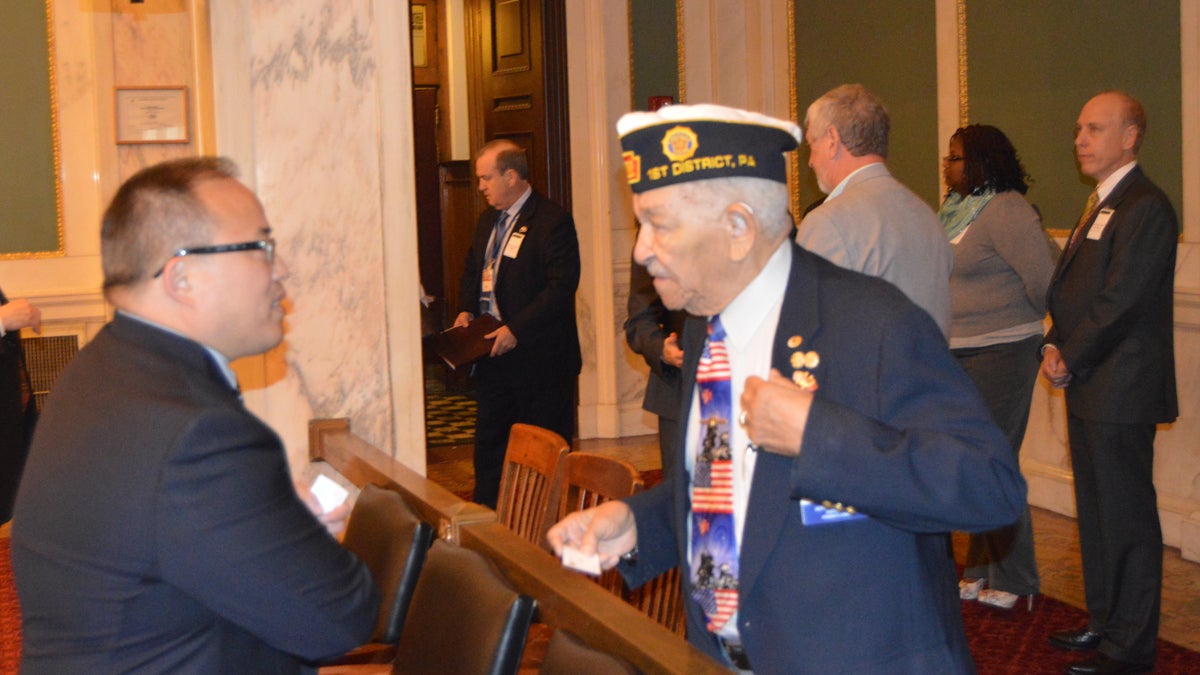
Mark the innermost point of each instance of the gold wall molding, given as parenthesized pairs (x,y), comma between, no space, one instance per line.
(793,107)
(963,100)
(679,51)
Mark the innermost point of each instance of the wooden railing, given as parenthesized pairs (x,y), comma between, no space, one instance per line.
(565,599)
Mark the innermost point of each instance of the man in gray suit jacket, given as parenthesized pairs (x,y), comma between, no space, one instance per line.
(157,529)
(870,222)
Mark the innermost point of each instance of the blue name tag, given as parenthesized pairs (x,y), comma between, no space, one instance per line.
(812,513)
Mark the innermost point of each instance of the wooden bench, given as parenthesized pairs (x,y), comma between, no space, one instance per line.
(565,599)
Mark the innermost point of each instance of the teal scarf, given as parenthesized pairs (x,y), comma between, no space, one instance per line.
(958,211)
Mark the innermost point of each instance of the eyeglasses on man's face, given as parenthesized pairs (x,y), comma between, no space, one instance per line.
(265,245)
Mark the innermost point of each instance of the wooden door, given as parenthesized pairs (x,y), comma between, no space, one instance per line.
(516,69)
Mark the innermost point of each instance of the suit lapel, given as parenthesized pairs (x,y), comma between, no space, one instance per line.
(1111,201)
(525,218)
(770,490)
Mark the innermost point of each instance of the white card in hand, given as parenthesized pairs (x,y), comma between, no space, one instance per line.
(588,564)
(329,494)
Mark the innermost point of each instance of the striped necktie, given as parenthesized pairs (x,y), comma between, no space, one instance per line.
(714,554)
(487,299)
(1088,208)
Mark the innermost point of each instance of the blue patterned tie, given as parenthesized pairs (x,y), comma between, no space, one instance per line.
(487,299)
(714,554)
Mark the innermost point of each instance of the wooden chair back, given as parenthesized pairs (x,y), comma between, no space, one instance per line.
(586,479)
(530,462)
(661,600)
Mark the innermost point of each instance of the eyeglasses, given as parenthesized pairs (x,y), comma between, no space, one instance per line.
(953,158)
(266,245)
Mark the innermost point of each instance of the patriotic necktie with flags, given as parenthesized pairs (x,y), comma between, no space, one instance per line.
(714,554)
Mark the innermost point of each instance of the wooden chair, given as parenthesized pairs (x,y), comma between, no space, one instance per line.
(584,480)
(661,600)
(530,461)
(392,541)
(568,655)
(465,618)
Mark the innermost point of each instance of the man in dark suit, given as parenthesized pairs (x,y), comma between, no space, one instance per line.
(523,268)
(859,443)
(653,331)
(157,529)
(18,411)
(1111,347)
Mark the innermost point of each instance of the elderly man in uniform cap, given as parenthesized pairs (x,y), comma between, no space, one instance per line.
(831,440)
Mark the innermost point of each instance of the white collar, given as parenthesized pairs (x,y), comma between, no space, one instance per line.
(742,316)
(1104,189)
(842,185)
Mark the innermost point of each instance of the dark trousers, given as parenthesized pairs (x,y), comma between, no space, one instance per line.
(670,444)
(1005,375)
(547,402)
(1120,539)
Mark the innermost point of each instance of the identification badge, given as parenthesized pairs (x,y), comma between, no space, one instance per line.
(1100,223)
(812,513)
(514,244)
(488,280)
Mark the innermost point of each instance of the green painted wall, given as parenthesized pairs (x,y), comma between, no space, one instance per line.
(1032,64)
(889,47)
(655,58)
(28,209)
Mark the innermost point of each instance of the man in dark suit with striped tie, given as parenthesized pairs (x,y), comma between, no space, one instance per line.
(1111,348)
(523,268)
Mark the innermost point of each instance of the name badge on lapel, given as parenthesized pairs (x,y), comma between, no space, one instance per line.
(514,243)
(1101,222)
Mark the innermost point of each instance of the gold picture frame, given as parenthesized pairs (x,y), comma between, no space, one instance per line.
(151,115)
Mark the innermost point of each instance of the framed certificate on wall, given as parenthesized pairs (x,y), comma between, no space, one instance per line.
(152,115)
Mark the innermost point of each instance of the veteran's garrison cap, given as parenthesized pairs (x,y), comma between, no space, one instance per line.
(681,143)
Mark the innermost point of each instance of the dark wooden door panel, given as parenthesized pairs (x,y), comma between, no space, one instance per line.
(517,68)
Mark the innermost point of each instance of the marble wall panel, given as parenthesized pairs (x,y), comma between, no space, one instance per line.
(316,130)
(152,47)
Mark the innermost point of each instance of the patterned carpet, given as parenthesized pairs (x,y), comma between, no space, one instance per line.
(449,414)
(1014,642)
(10,613)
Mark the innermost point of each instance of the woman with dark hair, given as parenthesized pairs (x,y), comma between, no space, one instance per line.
(1003,261)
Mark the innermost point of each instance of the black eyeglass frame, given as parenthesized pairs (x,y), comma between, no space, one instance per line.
(266,245)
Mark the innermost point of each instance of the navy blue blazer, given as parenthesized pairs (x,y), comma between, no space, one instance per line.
(157,529)
(896,430)
(1112,304)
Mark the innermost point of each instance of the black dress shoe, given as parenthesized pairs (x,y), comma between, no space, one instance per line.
(1084,639)
(1102,664)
